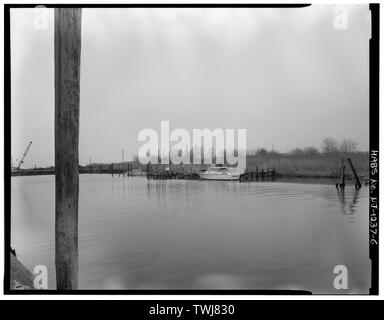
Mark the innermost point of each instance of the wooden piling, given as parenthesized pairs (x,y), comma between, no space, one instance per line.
(148,170)
(341,175)
(341,183)
(67,43)
(122,165)
(358,184)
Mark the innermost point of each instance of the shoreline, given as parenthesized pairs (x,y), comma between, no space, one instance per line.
(278,176)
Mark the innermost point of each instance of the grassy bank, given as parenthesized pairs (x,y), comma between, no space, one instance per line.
(317,165)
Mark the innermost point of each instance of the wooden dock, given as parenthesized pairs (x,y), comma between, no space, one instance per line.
(256,175)
(154,172)
(172,175)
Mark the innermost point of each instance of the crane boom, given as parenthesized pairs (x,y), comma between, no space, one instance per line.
(24,155)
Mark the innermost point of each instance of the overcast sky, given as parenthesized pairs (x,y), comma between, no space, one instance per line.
(287,76)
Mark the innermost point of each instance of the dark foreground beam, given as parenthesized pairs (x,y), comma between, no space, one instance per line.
(67,41)
(21,278)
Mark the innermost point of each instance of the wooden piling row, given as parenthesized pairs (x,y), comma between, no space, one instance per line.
(157,173)
(257,175)
(113,169)
(172,175)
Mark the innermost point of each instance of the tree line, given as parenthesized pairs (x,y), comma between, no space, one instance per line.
(328,146)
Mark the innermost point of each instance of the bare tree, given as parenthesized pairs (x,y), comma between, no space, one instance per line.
(262,151)
(297,152)
(311,151)
(329,145)
(348,146)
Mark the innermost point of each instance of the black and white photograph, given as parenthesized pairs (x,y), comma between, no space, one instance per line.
(191,149)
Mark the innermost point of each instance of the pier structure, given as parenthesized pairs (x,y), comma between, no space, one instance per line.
(256,175)
(191,172)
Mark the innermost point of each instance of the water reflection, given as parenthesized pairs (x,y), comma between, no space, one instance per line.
(177,234)
(348,205)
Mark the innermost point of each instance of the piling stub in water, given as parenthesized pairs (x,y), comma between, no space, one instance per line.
(358,184)
(341,176)
(148,169)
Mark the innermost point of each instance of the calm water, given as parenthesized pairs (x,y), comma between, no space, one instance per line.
(135,234)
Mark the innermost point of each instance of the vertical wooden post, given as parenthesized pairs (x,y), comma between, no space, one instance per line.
(122,166)
(341,182)
(67,43)
(343,177)
(358,184)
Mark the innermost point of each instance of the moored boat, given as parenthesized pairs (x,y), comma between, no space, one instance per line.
(220,173)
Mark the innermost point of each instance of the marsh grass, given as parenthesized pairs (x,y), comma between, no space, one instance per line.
(317,165)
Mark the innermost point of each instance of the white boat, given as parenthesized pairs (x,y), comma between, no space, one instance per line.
(220,173)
